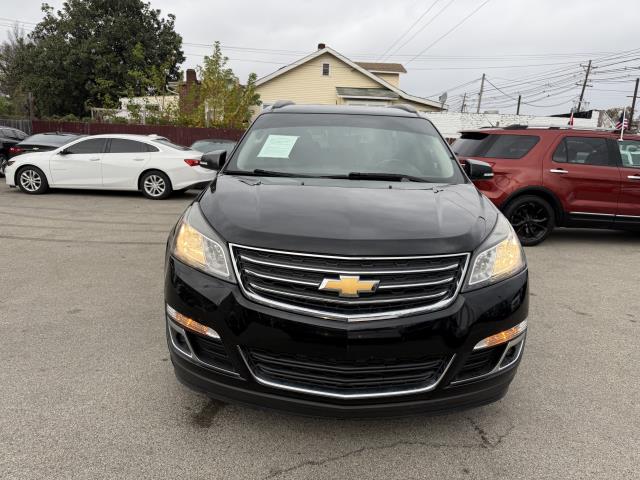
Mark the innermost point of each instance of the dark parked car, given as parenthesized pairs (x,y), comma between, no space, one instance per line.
(343,263)
(42,142)
(211,144)
(8,138)
(558,177)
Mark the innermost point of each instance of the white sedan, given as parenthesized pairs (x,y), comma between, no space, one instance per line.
(151,164)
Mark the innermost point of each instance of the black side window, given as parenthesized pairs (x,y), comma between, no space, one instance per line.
(511,146)
(560,155)
(93,145)
(151,148)
(584,151)
(470,144)
(121,145)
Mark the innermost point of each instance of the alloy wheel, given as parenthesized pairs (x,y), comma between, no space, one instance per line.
(154,185)
(30,180)
(531,221)
(3,164)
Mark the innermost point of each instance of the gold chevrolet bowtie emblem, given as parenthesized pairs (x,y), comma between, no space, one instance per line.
(349,286)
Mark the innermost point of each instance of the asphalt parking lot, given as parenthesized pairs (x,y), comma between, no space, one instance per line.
(87,390)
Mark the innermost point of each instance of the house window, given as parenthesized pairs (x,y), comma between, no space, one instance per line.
(325,69)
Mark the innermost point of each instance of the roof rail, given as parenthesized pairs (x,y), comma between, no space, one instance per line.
(404,106)
(554,127)
(281,103)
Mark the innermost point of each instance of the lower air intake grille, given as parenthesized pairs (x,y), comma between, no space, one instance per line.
(210,351)
(345,377)
(480,362)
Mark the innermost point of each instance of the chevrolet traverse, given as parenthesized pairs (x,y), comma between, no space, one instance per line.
(342,263)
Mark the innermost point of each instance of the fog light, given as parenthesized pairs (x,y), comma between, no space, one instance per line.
(191,324)
(501,337)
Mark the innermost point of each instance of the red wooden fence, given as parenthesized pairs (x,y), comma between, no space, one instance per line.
(180,135)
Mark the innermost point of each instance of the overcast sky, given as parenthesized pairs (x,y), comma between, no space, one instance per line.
(515,42)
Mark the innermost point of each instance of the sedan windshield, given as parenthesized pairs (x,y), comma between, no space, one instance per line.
(358,147)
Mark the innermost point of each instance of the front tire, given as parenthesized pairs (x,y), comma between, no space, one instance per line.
(532,217)
(3,164)
(155,185)
(32,180)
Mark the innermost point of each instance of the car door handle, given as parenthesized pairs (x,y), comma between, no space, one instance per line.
(558,170)
(634,177)
(94,159)
(138,159)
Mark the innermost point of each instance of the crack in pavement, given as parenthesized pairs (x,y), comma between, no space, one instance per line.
(484,436)
(351,453)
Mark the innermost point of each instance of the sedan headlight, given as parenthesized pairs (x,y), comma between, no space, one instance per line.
(196,244)
(499,257)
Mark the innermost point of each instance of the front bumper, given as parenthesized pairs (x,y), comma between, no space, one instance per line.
(245,326)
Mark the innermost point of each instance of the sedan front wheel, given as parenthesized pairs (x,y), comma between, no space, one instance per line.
(31,180)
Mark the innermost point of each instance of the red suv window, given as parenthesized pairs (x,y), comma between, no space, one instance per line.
(584,151)
(489,145)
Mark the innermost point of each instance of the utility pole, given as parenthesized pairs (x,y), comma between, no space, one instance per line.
(480,94)
(633,103)
(464,100)
(518,109)
(584,85)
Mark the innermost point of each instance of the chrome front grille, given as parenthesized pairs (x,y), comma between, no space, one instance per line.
(403,285)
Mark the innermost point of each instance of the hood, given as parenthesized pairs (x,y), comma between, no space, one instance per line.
(348,217)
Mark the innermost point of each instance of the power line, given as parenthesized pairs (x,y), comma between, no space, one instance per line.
(417,32)
(408,29)
(450,30)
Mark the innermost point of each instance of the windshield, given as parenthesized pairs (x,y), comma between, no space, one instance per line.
(339,145)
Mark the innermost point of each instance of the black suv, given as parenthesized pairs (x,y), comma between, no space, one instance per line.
(343,263)
(8,138)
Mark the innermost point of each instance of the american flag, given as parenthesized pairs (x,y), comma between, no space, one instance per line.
(623,122)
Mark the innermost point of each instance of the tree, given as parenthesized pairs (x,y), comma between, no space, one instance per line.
(615,113)
(221,99)
(96,51)
(12,60)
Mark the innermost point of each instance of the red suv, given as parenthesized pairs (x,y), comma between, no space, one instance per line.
(558,177)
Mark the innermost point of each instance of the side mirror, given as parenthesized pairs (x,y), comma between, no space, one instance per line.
(213,160)
(477,170)
(63,152)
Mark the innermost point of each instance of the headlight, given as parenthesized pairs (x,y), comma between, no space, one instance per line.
(499,257)
(197,245)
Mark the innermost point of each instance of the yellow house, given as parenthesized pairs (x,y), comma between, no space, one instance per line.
(326,77)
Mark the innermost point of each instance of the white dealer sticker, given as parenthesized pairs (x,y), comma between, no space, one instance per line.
(278,146)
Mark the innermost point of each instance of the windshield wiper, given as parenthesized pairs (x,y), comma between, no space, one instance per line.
(384,176)
(268,173)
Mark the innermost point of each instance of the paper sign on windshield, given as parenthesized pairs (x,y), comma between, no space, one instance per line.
(278,146)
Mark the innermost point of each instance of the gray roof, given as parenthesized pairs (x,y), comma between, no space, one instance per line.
(366,92)
(383,67)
